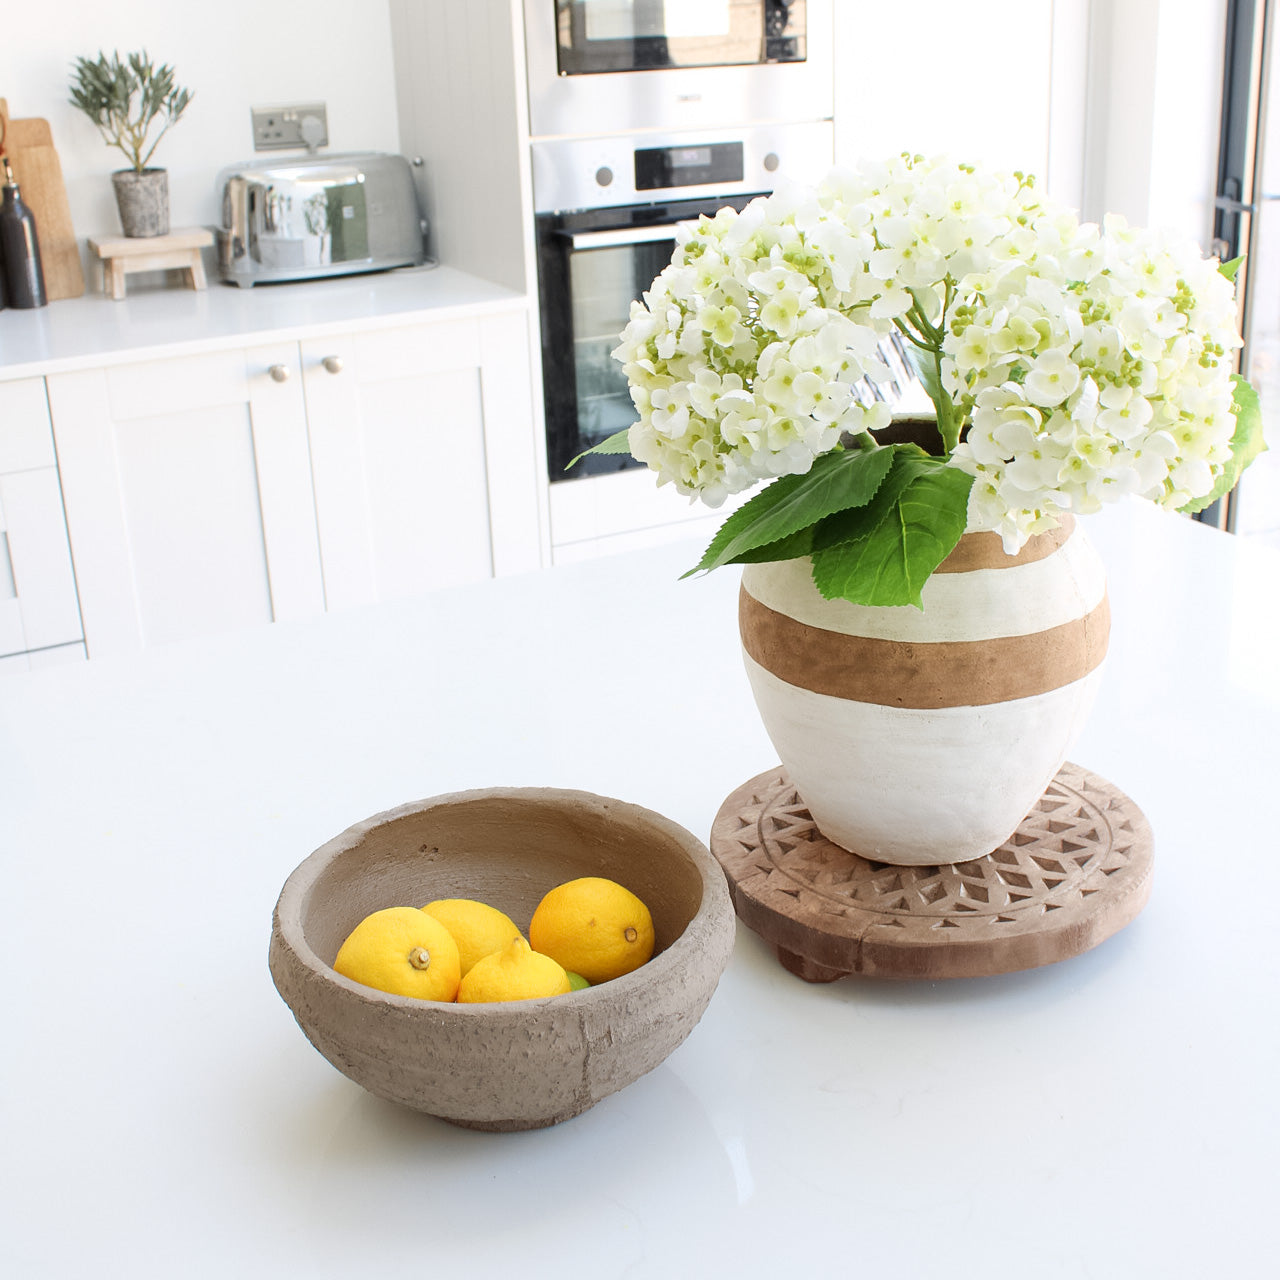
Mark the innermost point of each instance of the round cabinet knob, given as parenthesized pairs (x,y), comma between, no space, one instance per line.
(279,373)
(332,364)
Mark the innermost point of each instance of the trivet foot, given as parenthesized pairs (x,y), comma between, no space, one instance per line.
(809,970)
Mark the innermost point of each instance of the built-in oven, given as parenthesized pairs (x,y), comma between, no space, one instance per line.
(612,66)
(605,215)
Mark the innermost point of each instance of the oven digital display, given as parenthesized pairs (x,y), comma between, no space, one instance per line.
(660,167)
(689,157)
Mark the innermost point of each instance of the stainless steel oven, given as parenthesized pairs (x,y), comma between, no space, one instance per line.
(612,66)
(605,216)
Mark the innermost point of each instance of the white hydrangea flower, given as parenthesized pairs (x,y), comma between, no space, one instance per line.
(1087,362)
(1133,339)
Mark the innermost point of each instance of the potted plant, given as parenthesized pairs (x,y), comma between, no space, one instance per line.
(1067,365)
(126,100)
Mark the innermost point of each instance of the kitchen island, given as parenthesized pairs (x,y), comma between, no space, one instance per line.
(1111,1116)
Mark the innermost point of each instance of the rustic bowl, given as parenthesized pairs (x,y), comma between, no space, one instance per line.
(518,1064)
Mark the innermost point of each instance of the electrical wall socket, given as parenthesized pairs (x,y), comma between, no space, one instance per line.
(290,128)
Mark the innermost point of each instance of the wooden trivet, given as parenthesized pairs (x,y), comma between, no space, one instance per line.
(1076,871)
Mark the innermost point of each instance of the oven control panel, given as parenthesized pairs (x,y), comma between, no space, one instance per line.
(592,173)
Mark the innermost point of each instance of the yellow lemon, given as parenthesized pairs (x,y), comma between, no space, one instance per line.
(403,951)
(477,928)
(515,973)
(594,927)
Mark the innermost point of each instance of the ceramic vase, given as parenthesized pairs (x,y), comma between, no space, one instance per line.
(143,201)
(926,736)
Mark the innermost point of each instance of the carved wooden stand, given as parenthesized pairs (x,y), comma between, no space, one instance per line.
(1076,871)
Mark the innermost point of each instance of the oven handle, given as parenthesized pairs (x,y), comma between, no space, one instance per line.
(620,236)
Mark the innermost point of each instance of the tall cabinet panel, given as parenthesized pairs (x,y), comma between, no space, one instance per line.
(187,495)
(978,85)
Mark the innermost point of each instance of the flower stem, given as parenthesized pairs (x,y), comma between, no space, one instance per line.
(948,418)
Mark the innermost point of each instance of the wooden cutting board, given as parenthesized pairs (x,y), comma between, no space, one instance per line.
(38,171)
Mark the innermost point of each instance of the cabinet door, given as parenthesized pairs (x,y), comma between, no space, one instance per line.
(188,495)
(397,427)
(38,606)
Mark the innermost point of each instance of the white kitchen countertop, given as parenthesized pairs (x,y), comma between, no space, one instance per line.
(88,332)
(1113,1116)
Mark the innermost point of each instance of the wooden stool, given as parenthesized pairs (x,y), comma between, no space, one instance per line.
(125,255)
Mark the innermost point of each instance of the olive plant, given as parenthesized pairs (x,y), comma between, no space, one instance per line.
(126,98)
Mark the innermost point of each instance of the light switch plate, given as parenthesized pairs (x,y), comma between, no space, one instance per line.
(290,128)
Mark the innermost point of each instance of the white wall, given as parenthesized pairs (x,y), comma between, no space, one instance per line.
(1155,106)
(234,55)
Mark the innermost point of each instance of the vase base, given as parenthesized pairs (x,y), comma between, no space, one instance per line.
(1075,872)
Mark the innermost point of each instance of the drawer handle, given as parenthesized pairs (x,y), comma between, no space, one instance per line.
(279,373)
(332,364)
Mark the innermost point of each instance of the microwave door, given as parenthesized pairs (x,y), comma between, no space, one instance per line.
(596,36)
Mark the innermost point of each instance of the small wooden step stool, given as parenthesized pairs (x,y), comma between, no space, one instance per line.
(126,255)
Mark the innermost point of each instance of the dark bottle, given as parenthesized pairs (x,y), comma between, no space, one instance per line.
(19,247)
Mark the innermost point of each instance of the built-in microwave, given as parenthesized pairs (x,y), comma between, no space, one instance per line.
(615,66)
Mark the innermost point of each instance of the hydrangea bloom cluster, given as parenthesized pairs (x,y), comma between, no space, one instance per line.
(741,359)
(1069,364)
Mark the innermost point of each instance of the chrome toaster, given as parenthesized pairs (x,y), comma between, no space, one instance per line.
(312,216)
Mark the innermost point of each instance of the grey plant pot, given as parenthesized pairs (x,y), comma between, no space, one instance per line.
(143,201)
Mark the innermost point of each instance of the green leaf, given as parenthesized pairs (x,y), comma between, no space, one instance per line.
(791,547)
(616,443)
(1229,269)
(885,553)
(793,504)
(1246,444)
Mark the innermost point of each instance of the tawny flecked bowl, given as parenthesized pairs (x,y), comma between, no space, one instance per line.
(520,1064)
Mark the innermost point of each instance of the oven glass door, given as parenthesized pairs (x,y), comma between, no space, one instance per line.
(591,265)
(643,35)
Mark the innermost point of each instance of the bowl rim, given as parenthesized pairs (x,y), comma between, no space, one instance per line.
(287,917)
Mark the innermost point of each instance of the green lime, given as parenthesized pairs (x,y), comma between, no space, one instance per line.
(576,981)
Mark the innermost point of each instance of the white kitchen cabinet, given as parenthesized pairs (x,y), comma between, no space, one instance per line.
(399,422)
(188,494)
(231,488)
(39,612)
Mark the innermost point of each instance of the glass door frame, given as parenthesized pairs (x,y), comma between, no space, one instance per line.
(1250,28)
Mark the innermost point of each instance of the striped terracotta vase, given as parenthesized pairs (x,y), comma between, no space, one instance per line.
(927,736)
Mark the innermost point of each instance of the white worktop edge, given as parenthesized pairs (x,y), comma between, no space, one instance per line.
(94,331)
